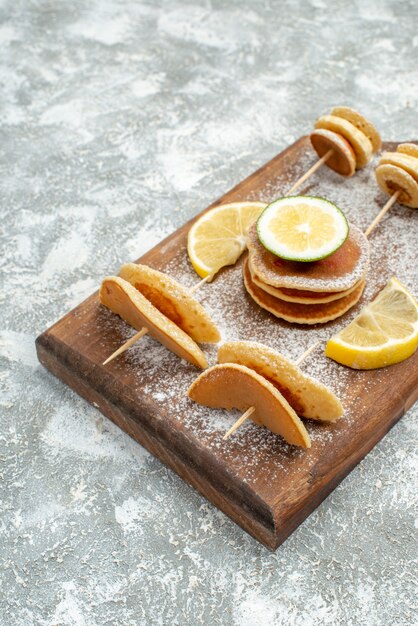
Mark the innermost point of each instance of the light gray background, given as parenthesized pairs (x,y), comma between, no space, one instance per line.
(120,120)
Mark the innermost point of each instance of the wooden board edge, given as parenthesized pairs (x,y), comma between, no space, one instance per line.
(251,512)
(268,529)
(271,533)
(302,513)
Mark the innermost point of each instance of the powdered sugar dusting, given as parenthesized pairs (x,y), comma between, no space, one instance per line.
(93,529)
(238,318)
(333,279)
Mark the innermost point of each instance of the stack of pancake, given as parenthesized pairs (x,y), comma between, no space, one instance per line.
(307,293)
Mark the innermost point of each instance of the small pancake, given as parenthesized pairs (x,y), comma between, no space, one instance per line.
(342,159)
(307,396)
(172,299)
(361,145)
(233,386)
(391,178)
(406,162)
(298,295)
(361,123)
(408,148)
(120,297)
(301,313)
(338,272)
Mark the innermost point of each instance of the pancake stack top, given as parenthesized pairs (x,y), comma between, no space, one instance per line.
(307,293)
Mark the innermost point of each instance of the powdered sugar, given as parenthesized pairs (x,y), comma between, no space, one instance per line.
(352,266)
(360,198)
(163,379)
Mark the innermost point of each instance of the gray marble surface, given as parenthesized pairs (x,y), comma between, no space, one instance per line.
(119,121)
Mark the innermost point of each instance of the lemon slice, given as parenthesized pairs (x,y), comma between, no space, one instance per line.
(385,332)
(218,237)
(302,228)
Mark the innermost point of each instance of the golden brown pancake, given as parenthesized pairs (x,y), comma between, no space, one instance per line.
(120,297)
(338,272)
(342,159)
(307,396)
(403,161)
(408,148)
(232,386)
(361,145)
(172,299)
(300,313)
(298,295)
(392,178)
(361,123)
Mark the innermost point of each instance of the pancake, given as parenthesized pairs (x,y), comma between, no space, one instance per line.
(300,313)
(404,161)
(338,272)
(231,386)
(408,148)
(120,297)
(307,396)
(172,299)
(360,122)
(391,178)
(342,159)
(298,295)
(360,144)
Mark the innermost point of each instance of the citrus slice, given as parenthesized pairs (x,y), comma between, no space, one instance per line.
(385,332)
(302,228)
(218,237)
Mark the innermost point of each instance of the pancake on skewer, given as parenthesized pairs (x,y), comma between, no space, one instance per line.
(232,386)
(361,123)
(397,173)
(172,299)
(308,397)
(123,299)
(272,390)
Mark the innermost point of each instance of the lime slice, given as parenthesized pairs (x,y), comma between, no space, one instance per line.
(302,228)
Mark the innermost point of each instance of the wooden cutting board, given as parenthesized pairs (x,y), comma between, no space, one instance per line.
(263,484)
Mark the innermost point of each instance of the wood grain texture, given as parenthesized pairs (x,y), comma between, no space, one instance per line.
(282,485)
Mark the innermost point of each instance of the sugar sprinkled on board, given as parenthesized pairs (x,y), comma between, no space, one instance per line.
(164,378)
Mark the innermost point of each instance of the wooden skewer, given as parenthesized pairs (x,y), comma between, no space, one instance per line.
(382,212)
(239,421)
(144,330)
(310,171)
(200,283)
(126,345)
(306,353)
(251,410)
